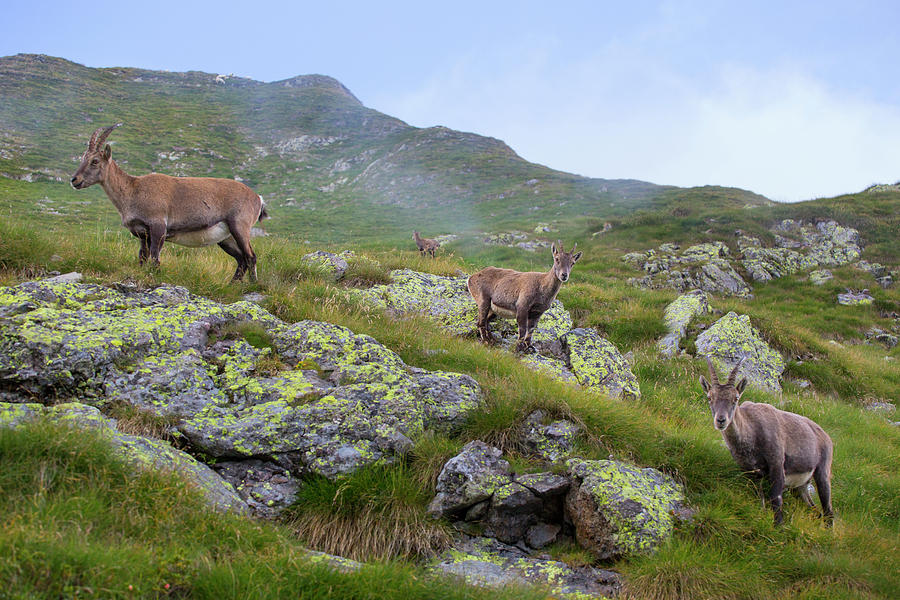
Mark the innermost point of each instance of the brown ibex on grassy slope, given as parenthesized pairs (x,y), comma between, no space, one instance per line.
(520,296)
(190,211)
(783,448)
(426,245)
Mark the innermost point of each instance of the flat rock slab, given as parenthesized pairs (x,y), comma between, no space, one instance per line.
(488,562)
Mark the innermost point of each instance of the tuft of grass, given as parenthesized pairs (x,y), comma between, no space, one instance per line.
(133,420)
(376,513)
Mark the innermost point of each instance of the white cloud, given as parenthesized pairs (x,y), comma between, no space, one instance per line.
(624,114)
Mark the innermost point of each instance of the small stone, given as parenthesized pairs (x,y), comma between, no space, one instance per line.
(542,534)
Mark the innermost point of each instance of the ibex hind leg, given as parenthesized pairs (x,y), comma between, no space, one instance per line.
(231,248)
(242,240)
(822,477)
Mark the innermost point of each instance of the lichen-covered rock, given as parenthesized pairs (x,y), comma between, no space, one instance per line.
(488,562)
(468,478)
(880,336)
(708,266)
(732,339)
(621,510)
(551,441)
(266,487)
(855,298)
(332,265)
(820,276)
(179,384)
(446,398)
(678,315)
(599,365)
(764,264)
(328,402)
(142,452)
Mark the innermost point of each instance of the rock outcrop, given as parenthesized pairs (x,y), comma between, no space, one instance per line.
(307,397)
(573,355)
(611,508)
(621,510)
(732,339)
(710,267)
(334,266)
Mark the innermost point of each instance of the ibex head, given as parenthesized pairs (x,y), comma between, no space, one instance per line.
(723,397)
(95,160)
(563,261)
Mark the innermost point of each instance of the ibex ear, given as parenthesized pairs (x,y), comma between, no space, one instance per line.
(553,248)
(742,384)
(704,384)
(107,152)
(576,257)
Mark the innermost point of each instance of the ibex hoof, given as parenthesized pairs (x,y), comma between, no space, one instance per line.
(525,348)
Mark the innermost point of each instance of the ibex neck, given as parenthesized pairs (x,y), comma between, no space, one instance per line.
(117,184)
(735,432)
(550,284)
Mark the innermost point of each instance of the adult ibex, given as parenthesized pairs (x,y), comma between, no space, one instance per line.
(783,448)
(190,211)
(426,245)
(520,296)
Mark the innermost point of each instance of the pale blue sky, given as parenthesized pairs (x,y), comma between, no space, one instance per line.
(793,100)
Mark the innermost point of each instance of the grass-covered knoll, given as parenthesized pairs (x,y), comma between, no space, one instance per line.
(730,550)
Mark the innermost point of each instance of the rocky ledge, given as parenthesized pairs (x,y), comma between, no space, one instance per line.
(268,399)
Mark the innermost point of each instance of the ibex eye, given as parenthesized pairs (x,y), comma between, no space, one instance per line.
(95,161)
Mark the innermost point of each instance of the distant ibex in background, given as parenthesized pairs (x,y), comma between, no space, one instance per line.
(520,296)
(426,245)
(190,211)
(783,448)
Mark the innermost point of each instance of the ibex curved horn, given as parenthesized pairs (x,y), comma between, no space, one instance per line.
(573,247)
(734,371)
(99,136)
(712,371)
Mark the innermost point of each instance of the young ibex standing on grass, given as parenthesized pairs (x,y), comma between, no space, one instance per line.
(783,448)
(520,296)
(190,211)
(426,245)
